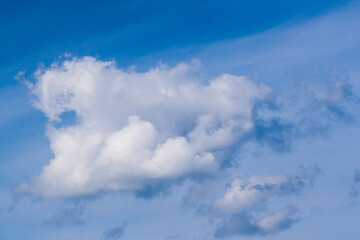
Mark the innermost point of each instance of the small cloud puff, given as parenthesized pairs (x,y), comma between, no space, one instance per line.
(248,195)
(244,195)
(244,224)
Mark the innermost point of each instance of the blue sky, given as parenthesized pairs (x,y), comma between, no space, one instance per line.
(179,120)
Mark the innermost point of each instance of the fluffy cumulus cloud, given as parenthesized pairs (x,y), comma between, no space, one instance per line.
(246,196)
(136,129)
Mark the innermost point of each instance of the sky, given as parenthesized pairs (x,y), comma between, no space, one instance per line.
(169,120)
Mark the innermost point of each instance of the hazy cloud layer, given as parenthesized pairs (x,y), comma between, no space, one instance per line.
(114,233)
(355,187)
(67,217)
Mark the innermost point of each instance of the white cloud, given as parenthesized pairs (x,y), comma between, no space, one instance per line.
(243,195)
(276,221)
(135,128)
(246,196)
